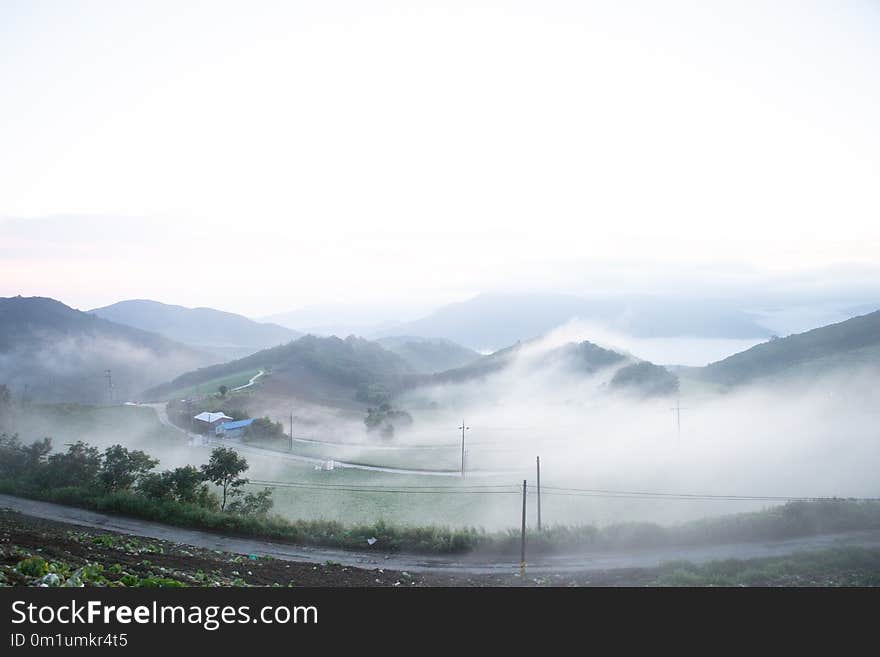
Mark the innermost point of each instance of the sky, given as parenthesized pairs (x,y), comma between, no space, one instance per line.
(261,156)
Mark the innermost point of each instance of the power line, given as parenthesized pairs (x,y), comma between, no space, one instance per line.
(546,490)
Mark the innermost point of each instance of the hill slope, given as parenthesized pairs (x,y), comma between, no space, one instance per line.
(855,341)
(61,354)
(428,355)
(329,370)
(580,358)
(225,334)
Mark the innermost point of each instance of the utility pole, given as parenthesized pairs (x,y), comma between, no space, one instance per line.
(677,409)
(522,552)
(109,378)
(463,429)
(538,460)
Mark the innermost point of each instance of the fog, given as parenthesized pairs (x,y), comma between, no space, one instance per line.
(794,437)
(54,367)
(808,437)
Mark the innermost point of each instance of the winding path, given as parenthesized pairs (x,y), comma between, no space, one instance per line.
(275,454)
(463,564)
(249,383)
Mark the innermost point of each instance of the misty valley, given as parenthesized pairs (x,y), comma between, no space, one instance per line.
(410,444)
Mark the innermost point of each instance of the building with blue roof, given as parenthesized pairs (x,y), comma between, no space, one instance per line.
(232,429)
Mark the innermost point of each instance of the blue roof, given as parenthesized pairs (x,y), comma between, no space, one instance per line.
(238,424)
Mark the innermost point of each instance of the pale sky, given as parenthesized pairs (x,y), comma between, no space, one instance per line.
(259,156)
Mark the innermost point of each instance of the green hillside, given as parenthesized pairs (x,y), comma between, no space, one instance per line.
(855,341)
(311,367)
(51,352)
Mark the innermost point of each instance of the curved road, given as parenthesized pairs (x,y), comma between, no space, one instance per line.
(468,564)
(274,454)
(249,383)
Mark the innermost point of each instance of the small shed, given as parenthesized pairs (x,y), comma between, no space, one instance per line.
(210,421)
(233,429)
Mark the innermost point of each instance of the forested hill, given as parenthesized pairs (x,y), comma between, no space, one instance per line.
(52,352)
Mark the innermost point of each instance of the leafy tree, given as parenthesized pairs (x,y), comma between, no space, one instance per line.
(188,485)
(185,484)
(17,459)
(155,486)
(78,466)
(383,418)
(256,504)
(223,390)
(5,405)
(122,468)
(223,469)
(265,429)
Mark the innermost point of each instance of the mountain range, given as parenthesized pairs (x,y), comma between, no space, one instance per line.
(57,353)
(224,334)
(51,352)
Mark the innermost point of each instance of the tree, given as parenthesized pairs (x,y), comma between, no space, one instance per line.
(155,486)
(256,504)
(122,468)
(223,390)
(17,459)
(223,469)
(383,419)
(265,429)
(78,466)
(5,405)
(185,485)
(188,486)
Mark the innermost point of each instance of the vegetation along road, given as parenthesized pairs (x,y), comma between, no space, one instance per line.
(474,563)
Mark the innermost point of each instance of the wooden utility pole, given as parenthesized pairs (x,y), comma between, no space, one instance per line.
(522,553)
(677,409)
(538,460)
(463,429)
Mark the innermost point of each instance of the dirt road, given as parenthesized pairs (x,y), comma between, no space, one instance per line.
(464,564)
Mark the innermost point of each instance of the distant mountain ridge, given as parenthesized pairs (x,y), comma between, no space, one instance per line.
(226,334)
(491,321)
(57,353)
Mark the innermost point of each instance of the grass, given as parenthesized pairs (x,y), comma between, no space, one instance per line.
(791,520)
(439,458)
(99,425)
(209,387)
(833,567)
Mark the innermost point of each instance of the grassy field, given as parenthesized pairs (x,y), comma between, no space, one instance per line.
(350,496)
(417,458)
(98,425)
(209,387)
(357,497)
(834,567)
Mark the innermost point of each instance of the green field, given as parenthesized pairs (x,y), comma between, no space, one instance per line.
(99,425)
(322,495)
(351,496)
(417,458)
(209,387)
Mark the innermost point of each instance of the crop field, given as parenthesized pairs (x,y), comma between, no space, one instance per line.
(302,490)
